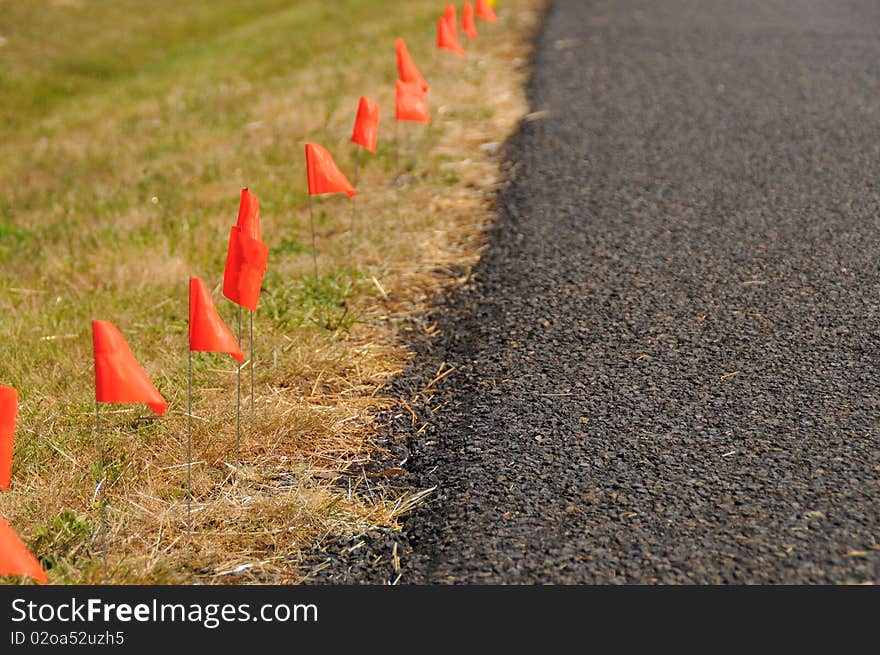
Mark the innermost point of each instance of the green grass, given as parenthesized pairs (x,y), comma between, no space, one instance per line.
(128,129)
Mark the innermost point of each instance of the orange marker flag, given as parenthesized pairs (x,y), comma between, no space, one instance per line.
(8,412)
(249,215)
(468,24)
(486,12)
(324,175)
(15,558)
(119,378)
(406,67)
(451,19)
(446,40)
(411,104)
(246,264)
(207,331)
(366,125)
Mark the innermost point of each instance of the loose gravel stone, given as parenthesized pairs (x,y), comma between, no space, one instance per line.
(667,361)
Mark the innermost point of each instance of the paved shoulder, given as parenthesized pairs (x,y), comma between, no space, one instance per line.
(667,367)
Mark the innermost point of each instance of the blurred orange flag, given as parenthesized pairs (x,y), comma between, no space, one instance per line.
(446,40)
(366,125)
(207,331)
(406,67)
(246,264)
(485,12)
(8,412)
(119,378)
(411,103)
(249,215)
(451,19)
(468,25)
(15,558)
(324,175)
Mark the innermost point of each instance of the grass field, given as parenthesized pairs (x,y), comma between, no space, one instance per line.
(128,129)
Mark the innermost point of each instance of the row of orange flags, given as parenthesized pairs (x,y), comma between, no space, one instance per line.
(120,378)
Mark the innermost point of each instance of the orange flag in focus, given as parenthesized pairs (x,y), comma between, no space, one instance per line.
(324,175)
(207,331)
(366,125)
(246,257)
(486,12)
(15,558)
(411,104)
(451,19)
(8,412)
(119,378)
(249,215)
(446,40)
(246,263)
(406,67)
(468,25)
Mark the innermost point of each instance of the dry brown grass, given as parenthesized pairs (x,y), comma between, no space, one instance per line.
(320,375)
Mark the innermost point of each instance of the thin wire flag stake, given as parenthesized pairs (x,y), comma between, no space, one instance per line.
(399,181)
(357,171)
(238,400)
(409,160)
(253,313)
(314,245)
(189,423)
(101,492)
(189,438)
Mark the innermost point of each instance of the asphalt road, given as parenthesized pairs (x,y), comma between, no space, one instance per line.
(667,363)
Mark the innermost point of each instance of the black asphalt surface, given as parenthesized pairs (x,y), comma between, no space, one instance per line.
(667,363)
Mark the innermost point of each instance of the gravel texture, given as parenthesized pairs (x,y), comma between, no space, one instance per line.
(667,361)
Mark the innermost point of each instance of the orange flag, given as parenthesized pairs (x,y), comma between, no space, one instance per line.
(406,67)
(324,175)
(485,12)
(246,263)
(119,378)
(207,331)
(246,257)
(366,125)
(15,558)
(8,412)
(411,104)
(249,215)
(446,40)
(468,25)
(451,18)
